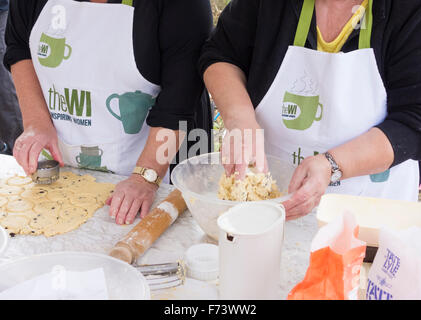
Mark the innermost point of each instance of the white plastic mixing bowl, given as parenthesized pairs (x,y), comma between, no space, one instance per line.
(123,281)
(198,180)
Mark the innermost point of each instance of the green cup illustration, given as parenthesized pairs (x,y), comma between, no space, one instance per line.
(90,157)
(134,107)
(299,112)
(51,51)
(380,177)
(92,151)
(85,160)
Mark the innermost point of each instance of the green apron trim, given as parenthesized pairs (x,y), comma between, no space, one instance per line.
(46,155)
(127,2)
(304,23)
(306,17)
(365,34)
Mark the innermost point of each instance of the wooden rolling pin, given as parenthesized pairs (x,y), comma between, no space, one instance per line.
(144,234)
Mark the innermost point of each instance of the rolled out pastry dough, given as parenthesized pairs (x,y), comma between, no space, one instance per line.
(27,208)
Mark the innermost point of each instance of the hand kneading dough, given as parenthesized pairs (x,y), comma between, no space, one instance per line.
(255,187)
(27,208)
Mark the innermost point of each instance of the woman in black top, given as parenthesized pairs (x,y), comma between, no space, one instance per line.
(350,120)
(101,83)
(10,118)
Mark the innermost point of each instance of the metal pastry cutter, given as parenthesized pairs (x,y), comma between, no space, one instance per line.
(48,172)
(164,276)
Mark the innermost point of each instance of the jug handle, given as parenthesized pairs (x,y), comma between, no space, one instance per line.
(108,103)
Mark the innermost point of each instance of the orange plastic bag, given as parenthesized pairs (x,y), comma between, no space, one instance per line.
(335,263)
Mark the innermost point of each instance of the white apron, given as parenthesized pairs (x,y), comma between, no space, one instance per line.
(320,100)
(84,59)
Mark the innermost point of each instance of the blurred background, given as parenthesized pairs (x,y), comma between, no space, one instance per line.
(218,124)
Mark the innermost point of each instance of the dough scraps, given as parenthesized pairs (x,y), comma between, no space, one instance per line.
(255,187)
(28,208)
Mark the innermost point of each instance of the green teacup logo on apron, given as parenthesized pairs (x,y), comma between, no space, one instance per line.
(52,51)
(301,106)
(133,107)
(380,177)
(90,158)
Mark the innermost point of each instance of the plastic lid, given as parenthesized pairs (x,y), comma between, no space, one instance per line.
(202,262)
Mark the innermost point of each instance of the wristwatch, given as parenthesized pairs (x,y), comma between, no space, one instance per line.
(336,172)
(150,175)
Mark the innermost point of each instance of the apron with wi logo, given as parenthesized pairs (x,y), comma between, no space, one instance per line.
(321,100)
(84,59)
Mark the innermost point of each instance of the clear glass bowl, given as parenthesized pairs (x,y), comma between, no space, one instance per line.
(198,180)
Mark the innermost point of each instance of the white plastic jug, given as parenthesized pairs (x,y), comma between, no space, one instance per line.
(250,243)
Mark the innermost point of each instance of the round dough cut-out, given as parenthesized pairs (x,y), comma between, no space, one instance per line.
(14,224)
(3,213)
(6,190)
(18,181)
(19,205)
(71,213)
(59,194)
(3,201)
(42,221)
(83,200)
(47,207)
(35,193)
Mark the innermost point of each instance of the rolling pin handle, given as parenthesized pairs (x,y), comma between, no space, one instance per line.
(123,253)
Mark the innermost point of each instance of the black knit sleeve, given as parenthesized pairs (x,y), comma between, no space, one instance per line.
(403,83)
(22,17)
(233,39)
(183,28)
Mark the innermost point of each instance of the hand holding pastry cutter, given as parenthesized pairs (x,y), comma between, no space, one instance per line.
(48,172)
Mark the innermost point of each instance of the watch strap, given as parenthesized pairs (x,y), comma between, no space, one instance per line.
(332,161)
(141,171)
(336,172)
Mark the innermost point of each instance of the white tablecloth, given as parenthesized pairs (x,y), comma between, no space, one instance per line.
(100,233)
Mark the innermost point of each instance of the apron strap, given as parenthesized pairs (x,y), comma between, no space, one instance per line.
(365,32)
(304,23)
(306,17)
(127,2)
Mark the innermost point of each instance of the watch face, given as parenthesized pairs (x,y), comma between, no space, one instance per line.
(336,176)
(150,175)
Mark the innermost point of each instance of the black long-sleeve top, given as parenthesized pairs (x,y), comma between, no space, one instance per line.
(255,34)
(167,38)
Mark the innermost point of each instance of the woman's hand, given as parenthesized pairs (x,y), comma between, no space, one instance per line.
(243,144)
(30,144)
(129,197)
(308,184)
